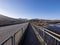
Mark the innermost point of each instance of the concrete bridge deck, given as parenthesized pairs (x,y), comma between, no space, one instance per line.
(26,34)
(13,35)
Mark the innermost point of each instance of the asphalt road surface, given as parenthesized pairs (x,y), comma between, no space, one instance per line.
(7,31)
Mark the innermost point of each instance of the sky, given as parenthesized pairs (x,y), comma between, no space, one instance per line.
(41,9)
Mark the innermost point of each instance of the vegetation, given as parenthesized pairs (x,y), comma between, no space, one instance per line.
(41,22)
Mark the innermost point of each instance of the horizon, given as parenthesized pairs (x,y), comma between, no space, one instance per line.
(29,19)
(31,9)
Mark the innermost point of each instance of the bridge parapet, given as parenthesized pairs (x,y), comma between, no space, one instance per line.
(11,35)
(48,38)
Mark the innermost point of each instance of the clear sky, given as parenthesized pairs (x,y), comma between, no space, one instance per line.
(42,9)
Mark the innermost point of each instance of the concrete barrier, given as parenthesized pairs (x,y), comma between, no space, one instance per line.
(7,41)
(48,38)
(15,38)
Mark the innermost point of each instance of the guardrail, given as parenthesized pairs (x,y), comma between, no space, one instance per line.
(15,38)
(48,38)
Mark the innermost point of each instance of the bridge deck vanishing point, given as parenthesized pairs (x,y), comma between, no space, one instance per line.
(25,34)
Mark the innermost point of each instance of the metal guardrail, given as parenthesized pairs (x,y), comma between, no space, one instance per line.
(47,37)
(13,39)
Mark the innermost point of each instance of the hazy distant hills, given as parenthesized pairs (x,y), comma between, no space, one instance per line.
(4,20)
(41,22)
(44,20)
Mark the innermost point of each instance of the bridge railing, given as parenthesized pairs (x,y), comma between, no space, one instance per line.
(48,38)
(15,38)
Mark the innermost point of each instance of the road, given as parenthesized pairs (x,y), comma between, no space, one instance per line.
(29,38)
(8,31)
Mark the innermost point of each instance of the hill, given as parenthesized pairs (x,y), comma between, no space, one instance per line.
(41,22)
(4,20)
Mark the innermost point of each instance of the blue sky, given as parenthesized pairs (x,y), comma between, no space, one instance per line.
(42,9)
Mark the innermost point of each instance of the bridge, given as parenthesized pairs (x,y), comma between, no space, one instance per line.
(28,34)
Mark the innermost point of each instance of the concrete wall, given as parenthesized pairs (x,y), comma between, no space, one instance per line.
(8,42)
(48,38)
(18,37)
(15,38)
